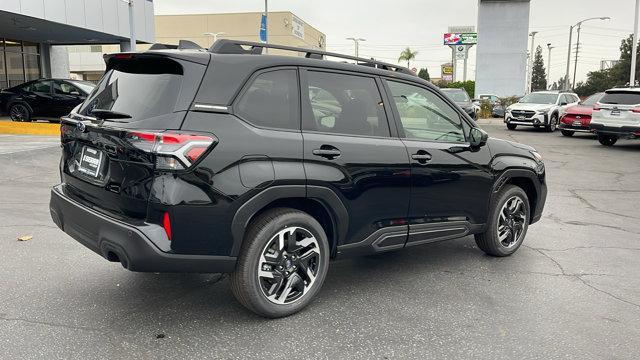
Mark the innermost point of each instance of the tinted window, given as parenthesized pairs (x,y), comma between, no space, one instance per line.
(140,88)
(591,100)
(345,104)
(621,98)
(457,95)
(64,88)
(272,100)
(424,115)
(40,86)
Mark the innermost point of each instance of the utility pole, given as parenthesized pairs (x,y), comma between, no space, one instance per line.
(634,47)
(356,42)
(549,64)
(530,72)
(575,63)
(566,75)
(266,25)
(132,26)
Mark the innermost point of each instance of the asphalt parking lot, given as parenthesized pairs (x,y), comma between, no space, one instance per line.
(572,291)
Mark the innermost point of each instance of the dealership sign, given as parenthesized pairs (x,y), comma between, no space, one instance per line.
(460,38)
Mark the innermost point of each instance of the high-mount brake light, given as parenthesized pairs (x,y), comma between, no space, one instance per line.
(123,56)
(174,150)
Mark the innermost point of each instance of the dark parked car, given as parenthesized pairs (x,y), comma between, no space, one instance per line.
(460,97)
(267,166)
(43,99)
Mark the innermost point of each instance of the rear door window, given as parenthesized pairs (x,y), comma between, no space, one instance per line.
(344,104)
(621,98)
(272,100)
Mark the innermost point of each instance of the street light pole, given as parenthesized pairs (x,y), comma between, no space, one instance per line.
(132,26)
(356,41)
(634,47)
(575,61)
(530,72)
(266,25)
(578,42)
(549,64)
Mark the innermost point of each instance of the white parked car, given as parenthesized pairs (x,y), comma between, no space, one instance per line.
(617,115)
(540,108)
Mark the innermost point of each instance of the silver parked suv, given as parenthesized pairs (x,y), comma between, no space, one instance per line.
(617,115)
(540,108)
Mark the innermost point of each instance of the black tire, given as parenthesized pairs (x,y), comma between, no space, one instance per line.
(567,132)
(536,126)
(246,285)
(19,112)
(511,126)
(607,140)
(553,123)
(489,241)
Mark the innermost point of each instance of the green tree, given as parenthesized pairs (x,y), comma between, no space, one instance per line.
(560,84)
(538,75)
(424,74)
(407,55)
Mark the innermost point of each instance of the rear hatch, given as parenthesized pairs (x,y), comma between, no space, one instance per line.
(127,129)
(618,108)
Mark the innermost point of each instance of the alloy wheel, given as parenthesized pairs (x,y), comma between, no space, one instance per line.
(511,222)
(288,265)
(18,113)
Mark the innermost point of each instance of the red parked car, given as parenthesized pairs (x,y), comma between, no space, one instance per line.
(577,118)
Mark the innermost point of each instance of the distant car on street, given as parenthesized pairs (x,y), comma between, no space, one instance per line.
(617,115)
(47,99)
(460,97)
(539,108)
(577,118)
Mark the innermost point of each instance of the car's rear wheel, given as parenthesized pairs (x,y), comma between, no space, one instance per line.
(508,222)
(19,112)
(511,126)
(282,264)
(553,123)
(607,140)
(567,132)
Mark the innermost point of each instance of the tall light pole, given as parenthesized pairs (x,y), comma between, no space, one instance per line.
(569,49)
(530,72)
(549,63)
(634,47)
(266,25)
(215,35)
(356,42)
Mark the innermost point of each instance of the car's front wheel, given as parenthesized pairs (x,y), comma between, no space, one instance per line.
(607,140)
(282,264)
(508,222)
(19,112)
(511,126)
(553,123)
(567,132)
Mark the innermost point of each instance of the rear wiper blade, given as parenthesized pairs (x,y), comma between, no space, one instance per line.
(104,114)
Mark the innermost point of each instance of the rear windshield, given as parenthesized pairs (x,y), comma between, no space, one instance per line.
(591,100)
(621,98)
(457,95)
(140,88)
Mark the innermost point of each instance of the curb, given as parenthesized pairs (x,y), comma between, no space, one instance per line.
(20,128)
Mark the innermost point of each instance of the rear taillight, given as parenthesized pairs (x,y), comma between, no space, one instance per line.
(596,107)
(174,150)
(166,224)
(636,110)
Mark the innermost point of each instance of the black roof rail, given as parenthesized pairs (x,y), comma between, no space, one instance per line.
(182,45)
(228,46)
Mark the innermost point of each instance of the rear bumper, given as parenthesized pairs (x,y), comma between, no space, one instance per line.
(131,244)
(620,131)
(572,127)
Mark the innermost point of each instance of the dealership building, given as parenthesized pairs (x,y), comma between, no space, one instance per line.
(285,28)
(31,30)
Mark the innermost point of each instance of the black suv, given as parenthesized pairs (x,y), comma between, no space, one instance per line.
(265,167)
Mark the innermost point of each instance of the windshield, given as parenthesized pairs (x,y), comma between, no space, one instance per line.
(539,98)
(457,95)
(84,86)
(128,90)
(591,100)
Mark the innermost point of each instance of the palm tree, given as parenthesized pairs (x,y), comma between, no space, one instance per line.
(407,55)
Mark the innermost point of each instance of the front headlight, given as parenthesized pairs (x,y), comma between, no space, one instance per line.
(543,111)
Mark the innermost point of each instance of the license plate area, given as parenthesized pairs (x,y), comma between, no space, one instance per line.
(615,112)
(90,161)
